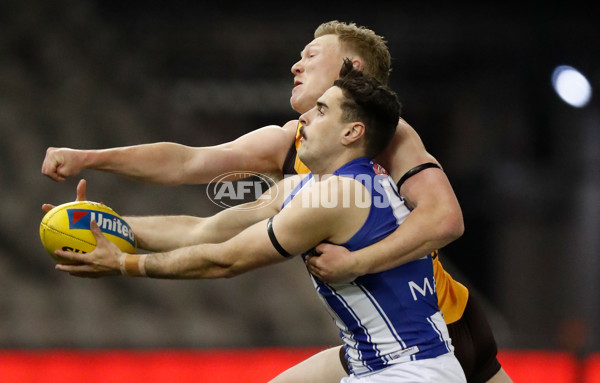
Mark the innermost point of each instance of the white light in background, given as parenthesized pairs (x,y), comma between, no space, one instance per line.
(571,86)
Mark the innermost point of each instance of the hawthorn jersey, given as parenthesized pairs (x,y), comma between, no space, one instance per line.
(452,295)
(392,316)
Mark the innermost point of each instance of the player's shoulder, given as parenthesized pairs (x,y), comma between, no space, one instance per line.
(340,187)
(269,138)
(405,130)
(286,132)
(291,125)
(405,151)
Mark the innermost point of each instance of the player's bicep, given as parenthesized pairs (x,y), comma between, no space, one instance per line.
(405,151)
(262,151)
(249,250)
(299,227)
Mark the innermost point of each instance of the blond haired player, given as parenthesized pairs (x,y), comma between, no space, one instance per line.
(435,221)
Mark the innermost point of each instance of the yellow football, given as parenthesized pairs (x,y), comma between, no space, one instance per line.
(67,227)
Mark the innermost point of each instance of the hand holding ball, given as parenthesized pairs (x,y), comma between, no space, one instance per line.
(67,227)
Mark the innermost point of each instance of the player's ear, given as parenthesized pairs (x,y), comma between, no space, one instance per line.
(357,63)
(353,132)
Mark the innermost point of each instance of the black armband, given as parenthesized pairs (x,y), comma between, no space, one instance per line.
(415,170)
(274,240)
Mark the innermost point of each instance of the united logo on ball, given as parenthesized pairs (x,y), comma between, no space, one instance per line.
(67,227)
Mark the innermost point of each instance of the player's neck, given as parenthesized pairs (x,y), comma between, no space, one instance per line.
(332,164)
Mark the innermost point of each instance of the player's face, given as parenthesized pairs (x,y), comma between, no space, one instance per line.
(318,68)
(322,128)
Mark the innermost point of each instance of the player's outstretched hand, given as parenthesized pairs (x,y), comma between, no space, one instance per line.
(335,264)
(61,163)
(81,195)
(101,262)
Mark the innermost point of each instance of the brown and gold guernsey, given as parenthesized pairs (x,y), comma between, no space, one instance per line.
(452,296)
(292,164)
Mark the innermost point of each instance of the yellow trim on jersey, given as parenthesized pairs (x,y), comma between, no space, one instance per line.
(452,295)
(299,165)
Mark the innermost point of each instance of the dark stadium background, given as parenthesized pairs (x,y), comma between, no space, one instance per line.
(475,82)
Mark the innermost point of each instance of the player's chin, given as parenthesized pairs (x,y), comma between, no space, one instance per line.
(297,101)
(294,102)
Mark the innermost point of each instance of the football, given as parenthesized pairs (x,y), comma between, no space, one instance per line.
(67,227)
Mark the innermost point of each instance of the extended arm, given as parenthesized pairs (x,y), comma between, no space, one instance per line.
(262,151)
(164,233)
(435,221)
(250,249)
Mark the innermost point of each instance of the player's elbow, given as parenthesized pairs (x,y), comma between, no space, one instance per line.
(451,226)
(230,271)
(212,271)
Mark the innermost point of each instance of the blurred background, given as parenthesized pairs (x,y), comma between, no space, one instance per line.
(475,82)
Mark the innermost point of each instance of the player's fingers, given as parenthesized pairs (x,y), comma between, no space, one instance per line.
(47,207)
(81,190)
(313,260)
(53,175)
(83,271)
(311,265)
(67,267)
(322,247)
(308,261)
(312,270)
(97,232)
(50,168)
(75,257)
(46,165)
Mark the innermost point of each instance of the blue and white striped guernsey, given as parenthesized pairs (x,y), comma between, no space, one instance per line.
(392,316)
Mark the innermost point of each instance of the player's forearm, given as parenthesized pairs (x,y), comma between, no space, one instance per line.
(248,250)
(416,237)
(194,262)
(435,221)
(435,206)
(164,233)
(160,163)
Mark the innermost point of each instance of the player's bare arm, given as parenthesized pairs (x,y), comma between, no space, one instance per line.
(262,151)
(297,228)
(437,214)
(164,233)
(435,221)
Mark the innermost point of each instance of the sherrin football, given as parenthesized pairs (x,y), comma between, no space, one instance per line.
(67,227)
